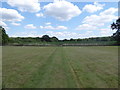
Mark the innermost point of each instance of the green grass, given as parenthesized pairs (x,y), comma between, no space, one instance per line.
(0,67)
(60,67)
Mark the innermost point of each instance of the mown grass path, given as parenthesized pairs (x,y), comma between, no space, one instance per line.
(60,67)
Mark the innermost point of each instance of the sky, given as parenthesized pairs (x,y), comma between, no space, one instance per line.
(60,18)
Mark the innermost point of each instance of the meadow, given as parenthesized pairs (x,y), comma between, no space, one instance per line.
(60,67)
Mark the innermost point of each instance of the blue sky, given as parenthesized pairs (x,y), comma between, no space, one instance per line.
(62,19)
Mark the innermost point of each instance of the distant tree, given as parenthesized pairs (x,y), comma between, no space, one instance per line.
(79,39)
(116,26)
(0,35)
(72,39)
(54,39)
(4,37)
(46,38)
(65,40)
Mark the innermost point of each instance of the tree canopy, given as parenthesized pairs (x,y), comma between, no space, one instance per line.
(4,38)
(116,26)
(46,38)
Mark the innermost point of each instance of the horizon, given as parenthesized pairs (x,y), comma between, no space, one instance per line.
(62,19)
(62,39)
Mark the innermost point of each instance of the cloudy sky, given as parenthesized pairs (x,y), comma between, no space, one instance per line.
(63,19)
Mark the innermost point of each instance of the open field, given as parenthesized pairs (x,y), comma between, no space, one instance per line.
(60,67)
(0,67)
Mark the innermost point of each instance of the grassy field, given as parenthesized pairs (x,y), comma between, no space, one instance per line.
(60,67)
(0,67)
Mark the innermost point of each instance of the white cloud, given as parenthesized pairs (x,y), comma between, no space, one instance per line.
(30,26)
(109,11)
(91,8)
(54,28)
(101,19)
(47,27)
(69,35)
(95,22)
(41,27)
(25,5)
(62,10)
(10,15)
(86,27)
(15,24)
(26,34)
(39,15)
(106,32)
(3,24)
(61,27)
(64,34)
(6,28)
(48,23)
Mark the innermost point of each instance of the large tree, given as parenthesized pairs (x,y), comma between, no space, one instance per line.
(4,38)
(54,39)
(116,26)
(46,38)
